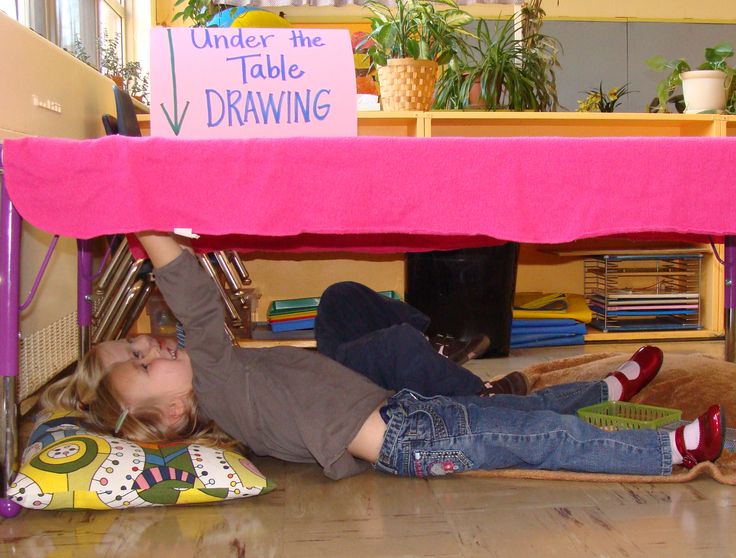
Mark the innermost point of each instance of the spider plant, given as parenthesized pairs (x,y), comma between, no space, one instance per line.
(513,71)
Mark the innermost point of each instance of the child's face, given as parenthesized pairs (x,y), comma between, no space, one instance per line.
(156,383)
(147,371)
(142,348)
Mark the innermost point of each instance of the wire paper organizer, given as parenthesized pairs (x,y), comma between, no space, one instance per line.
(644,292)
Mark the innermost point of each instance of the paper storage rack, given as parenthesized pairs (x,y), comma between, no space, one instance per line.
(650,292)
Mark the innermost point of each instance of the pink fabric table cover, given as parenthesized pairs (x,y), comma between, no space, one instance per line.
(380,194)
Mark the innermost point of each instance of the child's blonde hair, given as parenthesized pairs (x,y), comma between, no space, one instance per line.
(88,391)
(73,392)
(148,424)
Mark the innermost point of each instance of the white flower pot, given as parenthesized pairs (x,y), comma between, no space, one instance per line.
(704,90)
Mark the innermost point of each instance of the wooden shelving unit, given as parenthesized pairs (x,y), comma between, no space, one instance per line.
(538,268)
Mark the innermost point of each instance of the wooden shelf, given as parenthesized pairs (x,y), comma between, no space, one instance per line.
(621,252)
(571,124)
(536,262)
(595,335)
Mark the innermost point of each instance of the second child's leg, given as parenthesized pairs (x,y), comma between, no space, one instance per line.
(622,384)
(399,357)
(348,311)
(383,339)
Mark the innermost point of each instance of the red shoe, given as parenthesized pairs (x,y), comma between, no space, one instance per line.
(649,359)
(712,425)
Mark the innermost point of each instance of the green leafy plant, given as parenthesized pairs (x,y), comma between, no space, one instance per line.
(130,76)
(597,100)
(199,12)
(79,51)
(415,29)
(135,80)
(715,59)
(512,71)
(111,58)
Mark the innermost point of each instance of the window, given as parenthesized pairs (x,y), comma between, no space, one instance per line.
(10,7)
(74,25)
(75,20)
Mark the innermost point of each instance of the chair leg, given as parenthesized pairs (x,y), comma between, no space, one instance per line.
(232,311)
(240,267)
(133,304)
(111,309)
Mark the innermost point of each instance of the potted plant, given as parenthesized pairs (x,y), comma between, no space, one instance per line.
(135,81)
(111,59)
(200,12)
(504,69)
(597,100)
(129,76)
(408,43)
(709,88)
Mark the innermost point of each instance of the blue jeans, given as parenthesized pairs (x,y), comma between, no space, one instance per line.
(442,435)
(383,339)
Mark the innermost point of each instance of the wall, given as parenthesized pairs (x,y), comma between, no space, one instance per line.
(614,52)
(138,44)
(649,10)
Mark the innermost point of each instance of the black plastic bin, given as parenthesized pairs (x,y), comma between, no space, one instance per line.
(466,292)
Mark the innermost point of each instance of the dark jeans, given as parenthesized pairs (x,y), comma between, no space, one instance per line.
(435,436)
(383,339)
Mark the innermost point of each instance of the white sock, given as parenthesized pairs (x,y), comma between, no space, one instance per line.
(615,389)
(631,370)
(691,436)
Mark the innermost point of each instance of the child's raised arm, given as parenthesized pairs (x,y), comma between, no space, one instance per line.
(161,247)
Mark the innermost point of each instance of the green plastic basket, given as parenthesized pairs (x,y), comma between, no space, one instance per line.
(618,415)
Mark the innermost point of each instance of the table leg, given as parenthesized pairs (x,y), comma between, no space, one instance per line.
(84,294)
(10,231)
(729,298)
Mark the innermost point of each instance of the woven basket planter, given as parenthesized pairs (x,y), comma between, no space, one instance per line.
(407,84)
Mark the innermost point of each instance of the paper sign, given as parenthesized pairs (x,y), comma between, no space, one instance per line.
(252,82)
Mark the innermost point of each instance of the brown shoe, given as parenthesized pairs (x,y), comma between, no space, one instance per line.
(460,351)
(514,383)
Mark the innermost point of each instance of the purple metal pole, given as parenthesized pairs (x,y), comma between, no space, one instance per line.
(729,297)
(84,293)
(10,231)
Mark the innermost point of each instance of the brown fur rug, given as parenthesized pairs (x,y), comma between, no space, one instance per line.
(688,382)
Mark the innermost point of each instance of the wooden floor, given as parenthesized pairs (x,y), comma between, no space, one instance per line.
(376,515)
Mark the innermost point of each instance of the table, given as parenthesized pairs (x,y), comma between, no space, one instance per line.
(370,194)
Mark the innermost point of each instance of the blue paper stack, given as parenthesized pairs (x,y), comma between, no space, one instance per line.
(546,332)
(549,319)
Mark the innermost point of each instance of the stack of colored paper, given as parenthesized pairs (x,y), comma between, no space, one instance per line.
(293,314)
(546,320)
(299,313)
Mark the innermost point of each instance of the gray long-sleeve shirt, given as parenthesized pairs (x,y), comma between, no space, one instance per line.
(290,403)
